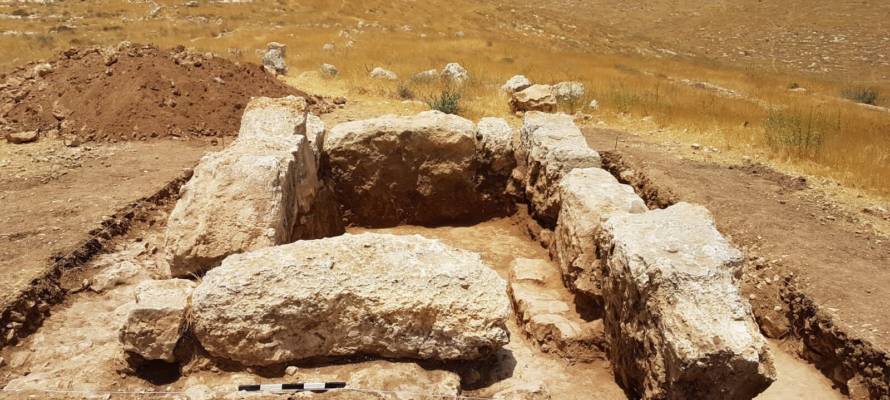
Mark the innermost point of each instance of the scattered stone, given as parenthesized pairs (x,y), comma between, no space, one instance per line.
(594,105)
(533,98)
(568,91)
(340,100)
(43,69)
(274,59)
(380,73)
(22,137)
(695,146)
(376,294)
(427,76)
(114,275)
(589,197)
(875,210)
(425,165)
(291,370)
(551,145)
(155,323)
(675,320)
(256,193)
(329,70)
(515,84)
(328,47)
(454,72)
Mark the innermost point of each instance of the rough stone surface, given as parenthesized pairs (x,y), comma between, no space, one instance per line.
(157,320)
(494,150)
(426,76)
(381,73)
(550,146)
(589,196)
(114,275)
(547,315)
(515,84)
(418,169)
(250,195)
(677,325)
(377,294)
(533,98)
(526,391)
(315,133)
(22,137)
(454,72)
(568,91)
(274,59)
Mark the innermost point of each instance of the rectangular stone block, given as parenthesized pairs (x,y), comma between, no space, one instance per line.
(677,325)
(589,196)
(550,145)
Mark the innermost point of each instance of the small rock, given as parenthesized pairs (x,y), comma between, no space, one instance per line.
(594,105)
(516,83)
(454,72)
(22,137)
(291,370)
(2,362)
(191,3)
(71,140)
(340,100)
(328,47)
(696,146)
(43,69)
(524,391)
(568,91)
(381,73)
(329,70)
(113,276)
(274,59)
(875,210)
(426,76)
(200,392)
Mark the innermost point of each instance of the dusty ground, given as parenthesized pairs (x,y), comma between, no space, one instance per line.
(52,195)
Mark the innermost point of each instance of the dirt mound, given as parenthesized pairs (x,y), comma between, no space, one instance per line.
(130,91)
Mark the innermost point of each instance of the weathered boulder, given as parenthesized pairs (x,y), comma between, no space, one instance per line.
(417,169)
(589,196)
(550,146)
(677,325)
(274,59)
(22,137)
(568,91)
(250,195)
(515,84)
(454,72)
(533,98)
(157,320)
(381,73)
(385,295)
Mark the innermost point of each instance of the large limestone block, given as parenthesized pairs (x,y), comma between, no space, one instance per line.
(253,194)
(494,150)
(417,169)
(677,325)
(156,322)
(551,146)
(385,295)
(589,197)
(533,98)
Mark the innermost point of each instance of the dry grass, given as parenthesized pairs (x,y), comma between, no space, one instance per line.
(816,130)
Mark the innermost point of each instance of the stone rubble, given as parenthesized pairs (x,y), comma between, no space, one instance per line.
(381,73)
(274,59)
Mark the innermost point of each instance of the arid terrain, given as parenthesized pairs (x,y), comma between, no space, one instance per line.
(130,160)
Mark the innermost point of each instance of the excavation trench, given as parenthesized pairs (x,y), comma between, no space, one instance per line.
(436,176)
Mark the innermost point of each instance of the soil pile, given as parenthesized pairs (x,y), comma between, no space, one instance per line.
(129,91)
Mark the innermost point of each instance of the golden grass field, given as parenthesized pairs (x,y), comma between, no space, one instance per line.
(631,59)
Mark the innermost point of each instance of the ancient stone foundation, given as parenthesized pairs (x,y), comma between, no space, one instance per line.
(673,324)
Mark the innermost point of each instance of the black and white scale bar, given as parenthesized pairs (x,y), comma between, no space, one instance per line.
(280,387)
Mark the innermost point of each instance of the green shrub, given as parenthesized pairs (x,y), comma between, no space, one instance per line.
(798,133)
(862,94)
(448,101)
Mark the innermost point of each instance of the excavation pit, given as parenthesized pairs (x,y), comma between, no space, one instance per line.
(463,187)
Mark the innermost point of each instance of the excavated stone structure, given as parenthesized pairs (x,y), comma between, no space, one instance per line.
(676,323)
(387,295)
